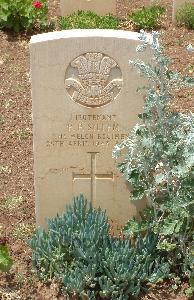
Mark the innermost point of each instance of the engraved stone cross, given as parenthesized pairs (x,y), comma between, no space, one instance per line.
(93,176)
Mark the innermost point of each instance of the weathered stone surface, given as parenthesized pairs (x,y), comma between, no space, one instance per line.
(101,7)
(177,4)
(84,102)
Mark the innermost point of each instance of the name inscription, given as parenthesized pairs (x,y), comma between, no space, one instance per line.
(89,130)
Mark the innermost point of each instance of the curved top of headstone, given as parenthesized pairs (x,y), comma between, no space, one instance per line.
(81,33)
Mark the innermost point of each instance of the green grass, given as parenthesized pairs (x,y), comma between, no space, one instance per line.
(22,134)
(8,103)
(10,202)
(88,20)
(5,170)
(23,231)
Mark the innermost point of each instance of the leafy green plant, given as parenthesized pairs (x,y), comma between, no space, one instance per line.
(147,17)
(159,162)
(20,15)
(185,15)
(78,250)
(88,20)
(5,259)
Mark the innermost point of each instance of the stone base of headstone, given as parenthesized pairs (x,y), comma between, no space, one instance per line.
(101,7)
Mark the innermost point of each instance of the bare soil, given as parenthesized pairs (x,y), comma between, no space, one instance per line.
(17,204)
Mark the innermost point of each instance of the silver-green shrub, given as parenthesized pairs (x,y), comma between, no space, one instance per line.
(158,161)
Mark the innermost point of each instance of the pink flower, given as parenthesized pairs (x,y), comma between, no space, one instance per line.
(37,4)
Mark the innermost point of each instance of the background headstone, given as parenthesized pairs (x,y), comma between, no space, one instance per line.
(177,4)
(84,102)
(101,7)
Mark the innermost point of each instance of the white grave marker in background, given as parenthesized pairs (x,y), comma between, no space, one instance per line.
(84,102)
(101,7)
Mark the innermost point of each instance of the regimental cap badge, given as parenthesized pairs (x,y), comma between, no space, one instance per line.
(90,79)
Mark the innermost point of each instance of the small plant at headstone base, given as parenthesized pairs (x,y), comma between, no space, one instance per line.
(5,259)
(158,163)
(88,20)
(185,15)
(21,15)
(78,250)
(147,17)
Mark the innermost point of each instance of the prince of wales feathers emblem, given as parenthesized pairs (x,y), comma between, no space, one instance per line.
(91,84)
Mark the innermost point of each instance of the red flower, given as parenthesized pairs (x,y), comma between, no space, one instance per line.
(37,4)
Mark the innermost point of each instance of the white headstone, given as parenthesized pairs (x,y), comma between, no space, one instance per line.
(84,102)
(101,7)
